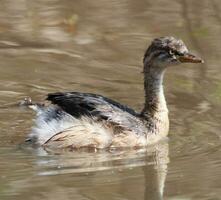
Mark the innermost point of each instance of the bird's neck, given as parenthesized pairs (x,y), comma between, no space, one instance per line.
(155,102)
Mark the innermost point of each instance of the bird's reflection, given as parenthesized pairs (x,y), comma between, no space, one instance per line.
(124,173)
(151,162)
(155,174)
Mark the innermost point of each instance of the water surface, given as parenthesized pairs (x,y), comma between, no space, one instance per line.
(97,46)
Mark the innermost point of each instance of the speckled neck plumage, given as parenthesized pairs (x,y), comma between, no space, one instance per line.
(155,112)
(154,95)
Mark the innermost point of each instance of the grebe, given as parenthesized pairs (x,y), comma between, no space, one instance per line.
(77,120)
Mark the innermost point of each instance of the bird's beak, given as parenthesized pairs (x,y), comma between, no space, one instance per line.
(190,58)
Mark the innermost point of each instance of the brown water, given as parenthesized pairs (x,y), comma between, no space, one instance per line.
(97,46)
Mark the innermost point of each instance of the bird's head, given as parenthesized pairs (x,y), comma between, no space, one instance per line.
(168,51)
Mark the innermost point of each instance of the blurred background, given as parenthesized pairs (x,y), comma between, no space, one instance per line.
(98,46)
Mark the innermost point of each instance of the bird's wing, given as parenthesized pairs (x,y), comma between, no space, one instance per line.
(99,107)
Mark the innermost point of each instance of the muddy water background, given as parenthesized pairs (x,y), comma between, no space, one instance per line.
(97,46)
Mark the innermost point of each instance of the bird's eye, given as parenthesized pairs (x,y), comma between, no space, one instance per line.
(175,52)
(171,52)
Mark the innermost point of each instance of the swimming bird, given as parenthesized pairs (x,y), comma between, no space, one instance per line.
(76,120)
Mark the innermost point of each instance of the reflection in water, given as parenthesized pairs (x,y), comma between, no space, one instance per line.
(155,175)
(80,170)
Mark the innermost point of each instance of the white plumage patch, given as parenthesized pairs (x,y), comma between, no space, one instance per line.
(64,130)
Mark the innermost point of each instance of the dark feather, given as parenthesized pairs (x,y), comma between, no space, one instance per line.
(77,104)
(102,108)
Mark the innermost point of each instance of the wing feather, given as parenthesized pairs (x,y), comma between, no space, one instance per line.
(99,107)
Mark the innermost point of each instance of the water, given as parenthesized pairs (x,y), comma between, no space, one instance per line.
(97,46)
